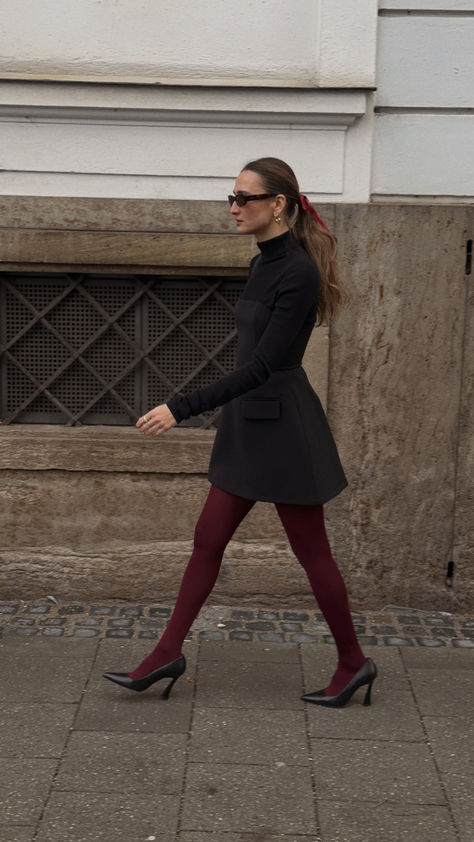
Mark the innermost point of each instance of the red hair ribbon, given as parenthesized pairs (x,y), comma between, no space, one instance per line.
(306,205)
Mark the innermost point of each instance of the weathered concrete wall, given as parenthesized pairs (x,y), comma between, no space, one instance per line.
(101,512)
(395,403)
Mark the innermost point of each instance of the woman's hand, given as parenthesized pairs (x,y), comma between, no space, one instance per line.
(156,421)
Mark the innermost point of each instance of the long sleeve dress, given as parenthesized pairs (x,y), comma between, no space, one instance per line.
(273,442)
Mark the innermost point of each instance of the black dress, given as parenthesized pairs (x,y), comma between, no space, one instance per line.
(273,441)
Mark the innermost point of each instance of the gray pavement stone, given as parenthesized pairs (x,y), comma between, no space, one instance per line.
(249,685)
(443,693)
(241,635)
(390,717)
(267,652)
(365,770)
(124,656)
(108,817)
(42,680)
(139,763)
(248,736)
(24,786)
(452,741)
(319,663)
(463,810)
(445,659)
(106,707)
(271,637)
(83,632)
(17,833)
(431,642)
(122,711)
(245,837)
(242,798)
(34,730)
(66,648)
(385,822)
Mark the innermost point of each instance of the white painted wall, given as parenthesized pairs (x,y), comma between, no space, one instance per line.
(424,121)
(312,42)
(214,84)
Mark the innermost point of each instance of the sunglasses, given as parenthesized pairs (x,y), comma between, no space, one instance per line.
(240,199)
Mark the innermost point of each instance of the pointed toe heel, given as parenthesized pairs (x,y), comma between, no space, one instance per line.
(173,670)
(366,675)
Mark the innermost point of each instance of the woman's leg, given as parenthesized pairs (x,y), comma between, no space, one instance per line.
(306,532)
(218,521)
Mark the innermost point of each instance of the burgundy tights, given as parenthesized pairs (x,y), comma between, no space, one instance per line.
(304,526)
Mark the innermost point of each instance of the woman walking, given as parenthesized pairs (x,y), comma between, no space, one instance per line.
(273,443)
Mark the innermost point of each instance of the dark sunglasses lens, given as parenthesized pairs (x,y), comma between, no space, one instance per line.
(239,200)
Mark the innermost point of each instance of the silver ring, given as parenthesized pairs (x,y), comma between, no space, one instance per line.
(145,418)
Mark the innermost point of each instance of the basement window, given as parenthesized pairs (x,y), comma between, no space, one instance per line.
(103,349)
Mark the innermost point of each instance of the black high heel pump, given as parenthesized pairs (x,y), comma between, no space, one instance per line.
(172,670)
(366,675)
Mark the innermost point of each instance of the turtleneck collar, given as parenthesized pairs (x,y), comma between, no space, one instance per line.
(275,248)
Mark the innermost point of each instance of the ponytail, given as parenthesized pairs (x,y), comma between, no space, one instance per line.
(308,229)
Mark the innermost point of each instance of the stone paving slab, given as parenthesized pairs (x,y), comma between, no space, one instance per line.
(37,730)
(239,798)
(128,763)
(64,647)
(17,833)
(249,685)
(320,660)
(275,653)
(106,707)
(443,693)
(452,740)
(259,836)
(390,717)
(384,822)
(24,786)
(235,766)
(108,817)
(125,655)
(366,770)
(41,679)
(248,736)
(463,811)
(319,663)
(438,659)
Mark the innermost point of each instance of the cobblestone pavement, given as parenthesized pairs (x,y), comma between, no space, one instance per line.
(392,626)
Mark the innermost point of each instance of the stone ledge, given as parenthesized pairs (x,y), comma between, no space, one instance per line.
(148,570)
(44,447)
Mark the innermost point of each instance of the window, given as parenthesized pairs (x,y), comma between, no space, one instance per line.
(101,349)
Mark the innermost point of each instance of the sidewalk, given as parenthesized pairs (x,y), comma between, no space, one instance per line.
(234,755)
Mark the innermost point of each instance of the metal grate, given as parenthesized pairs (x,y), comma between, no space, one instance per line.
(96,349)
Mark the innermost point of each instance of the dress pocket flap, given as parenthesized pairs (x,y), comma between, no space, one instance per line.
(261,409)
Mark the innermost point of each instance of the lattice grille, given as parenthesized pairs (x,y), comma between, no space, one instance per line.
(88,349)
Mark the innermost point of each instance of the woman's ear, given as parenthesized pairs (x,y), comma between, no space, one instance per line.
(280,203)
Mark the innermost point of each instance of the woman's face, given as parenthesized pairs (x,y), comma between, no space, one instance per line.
(257,217)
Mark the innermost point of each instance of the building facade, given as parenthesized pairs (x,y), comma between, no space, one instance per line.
(123,126)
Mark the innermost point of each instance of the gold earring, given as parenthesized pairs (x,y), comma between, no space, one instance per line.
(277,219)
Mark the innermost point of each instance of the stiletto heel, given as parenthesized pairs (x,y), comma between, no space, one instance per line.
(367,698)
(172,670)
(166,692)
(366,675)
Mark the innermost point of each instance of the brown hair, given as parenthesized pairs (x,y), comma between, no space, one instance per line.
(318,242)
